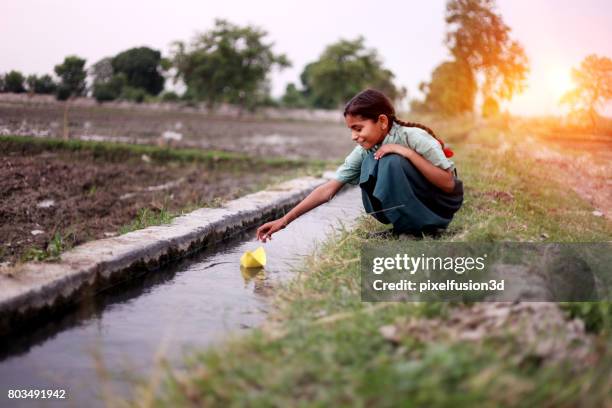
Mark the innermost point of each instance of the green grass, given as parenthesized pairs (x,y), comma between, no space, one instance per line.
(58,244)
(116,152)
(146,218)
(511,197)
(322,345)
(597,316)
(326,350)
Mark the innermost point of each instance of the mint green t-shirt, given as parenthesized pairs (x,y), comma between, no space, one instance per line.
(415,138)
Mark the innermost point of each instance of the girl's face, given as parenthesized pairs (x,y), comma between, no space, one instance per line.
(366,132)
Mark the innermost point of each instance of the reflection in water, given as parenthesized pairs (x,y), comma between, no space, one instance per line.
(256,276)
(249,273)
(188,305)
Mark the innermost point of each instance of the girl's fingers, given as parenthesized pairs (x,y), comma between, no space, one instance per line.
(265,232)
(260,234)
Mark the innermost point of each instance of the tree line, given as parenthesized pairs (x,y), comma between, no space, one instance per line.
(227,64)
(232,64)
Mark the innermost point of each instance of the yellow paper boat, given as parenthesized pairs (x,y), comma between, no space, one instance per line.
(254,259)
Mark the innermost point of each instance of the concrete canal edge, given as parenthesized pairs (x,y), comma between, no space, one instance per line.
(33,291)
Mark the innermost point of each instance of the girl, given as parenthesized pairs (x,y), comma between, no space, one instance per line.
(403,170)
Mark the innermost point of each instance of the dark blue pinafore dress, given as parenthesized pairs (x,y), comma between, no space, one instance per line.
(395,192)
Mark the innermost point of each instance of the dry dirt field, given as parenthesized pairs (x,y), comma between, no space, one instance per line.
(249,134)
(77,196)
(81,196)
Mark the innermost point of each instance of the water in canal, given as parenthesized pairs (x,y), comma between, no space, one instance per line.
(121,332)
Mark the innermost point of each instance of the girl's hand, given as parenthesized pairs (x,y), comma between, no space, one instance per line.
(389,148)
(265,231)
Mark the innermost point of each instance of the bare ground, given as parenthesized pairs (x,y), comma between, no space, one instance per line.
(84,198)
(251,135)
(584,163)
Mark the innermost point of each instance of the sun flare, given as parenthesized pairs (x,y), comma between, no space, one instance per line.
(559,81)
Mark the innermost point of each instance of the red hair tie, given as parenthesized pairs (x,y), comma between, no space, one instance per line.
(447,151)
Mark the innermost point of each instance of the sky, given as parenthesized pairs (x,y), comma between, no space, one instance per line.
(35,35)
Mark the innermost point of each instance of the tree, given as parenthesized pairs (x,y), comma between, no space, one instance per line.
(452,89)
(228,63)
(72,77)
(313,93)
(478,36)
(110,89)
(41,85)
(141,66)
(13,82)
(293,98)
(102,71)
(490,108)
(31,81)
(593,82)
(106,85)
(344,69)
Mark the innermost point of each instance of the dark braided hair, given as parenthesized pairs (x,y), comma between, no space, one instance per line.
(370,104)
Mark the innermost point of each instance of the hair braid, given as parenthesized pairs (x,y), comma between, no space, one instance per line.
(447,152)
(417,125)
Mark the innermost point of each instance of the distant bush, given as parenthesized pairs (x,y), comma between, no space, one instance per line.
(109,90)
(104,93)
(189,96)
(170,96)
(137,95)
(266,101)
(14,82)
(63,92)
(30,82)
(41,85)
(293,98)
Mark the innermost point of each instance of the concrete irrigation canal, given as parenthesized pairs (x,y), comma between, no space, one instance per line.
(189,303)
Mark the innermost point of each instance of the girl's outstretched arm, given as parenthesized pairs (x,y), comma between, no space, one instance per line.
(318,196)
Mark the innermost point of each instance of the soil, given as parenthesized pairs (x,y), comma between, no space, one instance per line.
(583,162)
(85,198)
(251,135)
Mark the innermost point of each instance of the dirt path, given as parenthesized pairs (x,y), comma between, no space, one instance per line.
(585,168)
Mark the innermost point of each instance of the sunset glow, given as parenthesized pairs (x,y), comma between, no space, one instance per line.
(559,81)
(545,86)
